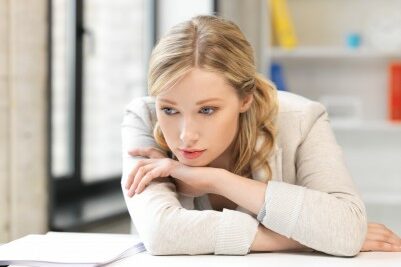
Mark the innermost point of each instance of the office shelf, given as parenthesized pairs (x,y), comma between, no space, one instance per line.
(330,52)
(322,67)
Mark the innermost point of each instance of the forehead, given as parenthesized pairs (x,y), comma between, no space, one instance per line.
(197,85)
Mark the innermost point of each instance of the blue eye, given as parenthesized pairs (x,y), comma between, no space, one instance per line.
(167,111)
(210,109)
(204,110)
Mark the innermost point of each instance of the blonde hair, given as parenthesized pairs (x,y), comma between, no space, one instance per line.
(218,45)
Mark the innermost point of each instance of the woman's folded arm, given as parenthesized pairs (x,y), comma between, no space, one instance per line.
(163,224)
(167,228)
(323,210)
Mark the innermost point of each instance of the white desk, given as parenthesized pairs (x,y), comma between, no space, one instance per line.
(309,259)
(273,259)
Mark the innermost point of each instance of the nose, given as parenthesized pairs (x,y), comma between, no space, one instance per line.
(189,135)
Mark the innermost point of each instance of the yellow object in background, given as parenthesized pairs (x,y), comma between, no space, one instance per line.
(283,28)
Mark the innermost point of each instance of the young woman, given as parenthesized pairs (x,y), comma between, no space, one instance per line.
(215,160)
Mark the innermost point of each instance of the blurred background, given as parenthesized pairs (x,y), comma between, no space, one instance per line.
(68,68)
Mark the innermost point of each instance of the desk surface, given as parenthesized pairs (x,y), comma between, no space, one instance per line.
(298,259)
(272,259)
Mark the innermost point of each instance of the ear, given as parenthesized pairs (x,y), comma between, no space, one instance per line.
(246,103)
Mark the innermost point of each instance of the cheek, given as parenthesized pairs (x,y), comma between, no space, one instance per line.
(225,129)
(169,128)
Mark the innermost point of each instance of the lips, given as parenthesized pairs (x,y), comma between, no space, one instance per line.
(192,150)
(191,154)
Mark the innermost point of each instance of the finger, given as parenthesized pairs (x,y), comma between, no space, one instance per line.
(156,153)
(380,246)
(147,179)
(132,174)
(138,177)
(137,152)
(376,226)
(149,152)
(160,154)
(392,239)
(382,233)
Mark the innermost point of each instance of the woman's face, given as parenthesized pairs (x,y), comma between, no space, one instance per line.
(200,112)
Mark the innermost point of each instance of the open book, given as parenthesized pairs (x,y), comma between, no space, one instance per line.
(69,249)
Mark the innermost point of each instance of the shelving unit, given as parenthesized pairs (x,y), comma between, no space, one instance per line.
(320,52)
(321,66)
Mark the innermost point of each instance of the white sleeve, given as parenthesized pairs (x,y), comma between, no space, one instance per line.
(323,210)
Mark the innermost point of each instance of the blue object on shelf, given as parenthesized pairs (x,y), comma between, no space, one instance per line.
(277,76)
(353,40)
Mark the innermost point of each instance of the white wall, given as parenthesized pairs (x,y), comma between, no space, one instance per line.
(171,12)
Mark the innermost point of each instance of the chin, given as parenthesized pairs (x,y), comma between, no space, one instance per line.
(193,162)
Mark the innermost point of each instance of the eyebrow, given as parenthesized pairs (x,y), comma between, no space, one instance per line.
(198,103)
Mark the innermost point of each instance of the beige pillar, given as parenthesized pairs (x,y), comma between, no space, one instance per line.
(4,123)
(23,176)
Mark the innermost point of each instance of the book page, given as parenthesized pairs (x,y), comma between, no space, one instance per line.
(69,247)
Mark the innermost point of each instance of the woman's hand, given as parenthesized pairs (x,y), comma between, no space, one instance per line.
(380,238)
(148,152)
(158,167)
